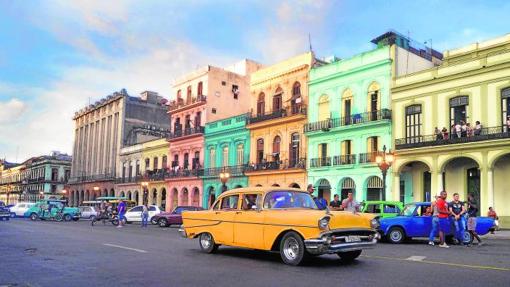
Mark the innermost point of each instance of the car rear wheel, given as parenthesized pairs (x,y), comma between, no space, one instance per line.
(467,238)
(207,244)
(162,222)
(154,221)
(396,235)
(292,249)
(34,216)
(349,256)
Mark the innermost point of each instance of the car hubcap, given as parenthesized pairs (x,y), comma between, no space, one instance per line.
(205,241)
(291,248)
(396,236)
(162,223)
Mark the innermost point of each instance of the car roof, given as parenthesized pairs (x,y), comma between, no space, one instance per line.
(260,189)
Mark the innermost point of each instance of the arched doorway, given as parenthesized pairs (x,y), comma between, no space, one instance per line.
(129,195)
(462,175)
(87,195)
(184,196)
(153,199)
(501,170)
(294,185)
(196,197)
(324,189)
(347,186)
(374,188)
(135,197)
(211,196)
(104,192)
(415,182)
(175,198)
(163,199)
(82,197)
(122,194)
(112,192)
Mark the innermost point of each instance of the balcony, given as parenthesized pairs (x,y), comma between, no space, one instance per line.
(132,179)
(277,165)
(235,170)
(485,134)
(92,178)
(281,113)
(344,159)
(320,162)
(368,157)
(180,103)
(186,132)
(356,119)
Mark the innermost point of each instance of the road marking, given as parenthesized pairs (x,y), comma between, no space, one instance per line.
(124,247)
(416,258)
(483,267)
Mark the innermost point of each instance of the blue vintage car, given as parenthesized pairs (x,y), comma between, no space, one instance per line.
(412,222)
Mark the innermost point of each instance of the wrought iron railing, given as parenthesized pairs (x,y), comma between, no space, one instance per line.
(344,159)
(90,178)
(235,170)
(484,134)
(186,132)
(368,157)
(182,103)
(277,165)
(320,162)
(281,113)
(384,114)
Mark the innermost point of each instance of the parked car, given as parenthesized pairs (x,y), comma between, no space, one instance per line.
(50,208)
(5,214)
(88,212)
(165,219)
(20,208)
(280,219)
(385,209)
(135,214)
(413,222)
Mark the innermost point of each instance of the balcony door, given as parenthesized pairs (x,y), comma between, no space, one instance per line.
(505,108)
(261,104)
(277,100)
(294,149)
(323,154)
(347,111)
(260,150)
(458,110)
(413,124)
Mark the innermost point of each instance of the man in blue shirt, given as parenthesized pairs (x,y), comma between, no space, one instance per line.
(121,209)
(320,202)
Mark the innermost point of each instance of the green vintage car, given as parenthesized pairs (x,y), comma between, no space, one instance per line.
(52,209)
(385,209)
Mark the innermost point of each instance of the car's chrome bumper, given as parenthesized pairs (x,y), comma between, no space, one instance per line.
(329,244)
(182,232)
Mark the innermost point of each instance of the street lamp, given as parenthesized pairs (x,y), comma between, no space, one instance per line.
(224,176)
(145,200)
(384,161)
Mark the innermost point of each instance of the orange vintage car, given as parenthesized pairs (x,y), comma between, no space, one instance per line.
(280,219)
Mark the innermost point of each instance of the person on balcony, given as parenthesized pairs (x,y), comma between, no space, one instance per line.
(469,130)
(439,135)
(478,129)
(445,133)
(463,129)
(508,124)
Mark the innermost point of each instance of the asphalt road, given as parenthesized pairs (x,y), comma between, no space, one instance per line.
(76,254)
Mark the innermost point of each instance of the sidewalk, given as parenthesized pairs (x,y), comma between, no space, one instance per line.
(502,234)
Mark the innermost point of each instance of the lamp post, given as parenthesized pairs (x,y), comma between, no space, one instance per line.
(384,161)
(224,176)
(145,190)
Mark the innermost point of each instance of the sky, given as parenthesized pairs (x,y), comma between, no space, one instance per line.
(57,56)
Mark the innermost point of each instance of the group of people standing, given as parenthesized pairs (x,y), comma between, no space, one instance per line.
(348,204)
(441,212)
(459,130)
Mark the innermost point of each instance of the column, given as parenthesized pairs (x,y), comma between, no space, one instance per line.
(158,198)
(395,186)
(490,187)
(484,190)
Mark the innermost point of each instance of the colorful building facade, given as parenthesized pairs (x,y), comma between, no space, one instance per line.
(471,85)
(279,97)
(227,144)
(350,118)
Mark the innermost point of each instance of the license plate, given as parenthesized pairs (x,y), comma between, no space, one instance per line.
(352,238)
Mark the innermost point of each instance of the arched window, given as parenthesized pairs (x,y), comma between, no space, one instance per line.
(277,100)
(374,100)
(261,104)
(324,108)
(295,102)
(137,170)
(200,88)
(225,156)
(276,148)
(240,154)
(188,95)
(212,157)
(260,150)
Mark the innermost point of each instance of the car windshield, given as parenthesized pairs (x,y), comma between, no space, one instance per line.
(289,199)
(409,210)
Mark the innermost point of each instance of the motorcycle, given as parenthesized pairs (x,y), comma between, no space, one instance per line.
(106,216)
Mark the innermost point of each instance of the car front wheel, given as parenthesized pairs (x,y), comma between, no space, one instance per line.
(13,215)
(154,221)
(349,256)
(396,235)
(34,216)
(162,222)
(468,238)
(67,217)
(207,244)
(292,249)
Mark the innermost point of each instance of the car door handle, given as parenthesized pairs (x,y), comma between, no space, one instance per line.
(217,212)
(239,212)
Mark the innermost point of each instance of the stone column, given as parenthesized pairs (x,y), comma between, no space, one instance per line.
(395,186)
(158,198)
(490,187)
(484,190)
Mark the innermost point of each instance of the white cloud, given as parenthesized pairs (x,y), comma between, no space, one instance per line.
(11,111)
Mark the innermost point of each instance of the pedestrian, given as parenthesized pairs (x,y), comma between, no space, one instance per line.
(435,221)
(457,210)
(350,204)
(471,225)
(442,208)
(492,214)
(439,135)
(145,215)
(121,210)
(320,202)
(336,204)
(478,129)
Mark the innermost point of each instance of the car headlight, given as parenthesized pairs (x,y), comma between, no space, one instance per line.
(324,222)
(374,223)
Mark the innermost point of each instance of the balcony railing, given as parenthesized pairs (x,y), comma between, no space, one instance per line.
(485,134)
(384,114)
(277,165)
(179,103)
(91,178)
(132,179)
(320,162)
(368,157)
(281,113)
(235,170)
(186,132)
(344,159)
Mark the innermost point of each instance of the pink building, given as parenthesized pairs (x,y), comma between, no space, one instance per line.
(207,94)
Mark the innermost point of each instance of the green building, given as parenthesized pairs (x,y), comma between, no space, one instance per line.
(227,150)
(349,117)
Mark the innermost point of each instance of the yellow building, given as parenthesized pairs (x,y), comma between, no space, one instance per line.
(155,163)
(279,97)
(472,85)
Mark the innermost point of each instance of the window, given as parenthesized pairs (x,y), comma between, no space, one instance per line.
(296,89)
(137,170)
(198,119)
(391,208)
(372,144)
(200,88)
(212,158)
(223,83)
(196,160)
(323,150)
(458,110)
(240,154)
(235,91)
(229,202)
(164,162)
(373,100)
(261,104)
(186,161)
(347,107)
(155,163)
(294,149)
(250,201)
(179,95)
(54,174)
(413,123)
(136,209)
(187,122)
(124,170)
(213,110)
(324,108)
(277,100)
(373,208)
(225,157)
(505,106)
(152,208)
(276,148)
(216,206)
(176,161)
(177,125)
(260,150)
(288,199)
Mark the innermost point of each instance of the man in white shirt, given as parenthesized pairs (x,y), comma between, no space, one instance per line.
(350,204)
